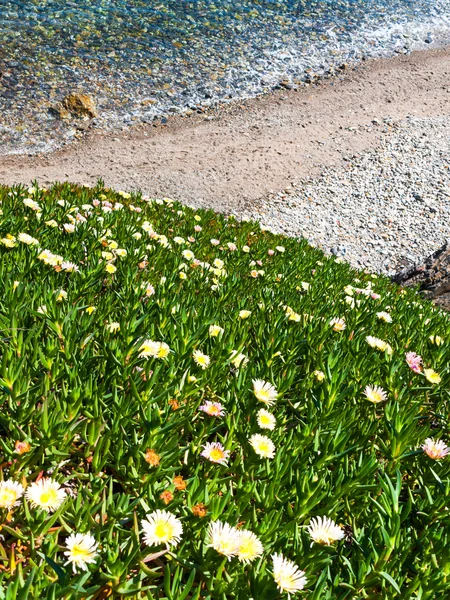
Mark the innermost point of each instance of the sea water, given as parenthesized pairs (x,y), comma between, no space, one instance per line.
(146,59)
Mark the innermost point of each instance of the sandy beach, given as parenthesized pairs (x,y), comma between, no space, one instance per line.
(231,156)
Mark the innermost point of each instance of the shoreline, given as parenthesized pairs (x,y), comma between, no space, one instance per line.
(233,155)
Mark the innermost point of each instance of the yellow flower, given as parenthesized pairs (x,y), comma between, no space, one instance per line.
(161,527)
(81,550)
(110,268)
(10,493)
(262,445)
(436,339)
(375,394)
(215,330)
(319,375)
(90,309)
(432,376)
(249,548)
(201,359)
(244,314)
(264,391)
(9,241)
(113,245)
(182,275)
(16,285)
(266,420)
(121,252)
(149,348)
(46,494)
(62,295)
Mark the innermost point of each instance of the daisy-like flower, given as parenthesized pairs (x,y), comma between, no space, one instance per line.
(435,449)
(46,494)
(213,409)
(432,376)
(288,577)
(69,227)
(323,530)
(218,263)
(70,267)
(215,242)
(319,375)
(380,345)
(262,445)
(436,339)
(216,453)
(27,239)
(246,249)
(223,538)
(162,527)
(384,316)
(215,330)
(31,204)
(62,295)
(149,348)
(264,391)
(113,327)
(201,359)
(188,254)
(109,268)
(238,360)
(375,394)
(266,420)
(414,362)
(338,324)
(81,550)
(280,249)
(10,493)
(250,547)
(244,314)
(9,241)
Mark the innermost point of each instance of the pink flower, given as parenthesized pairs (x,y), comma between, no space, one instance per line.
(375,296)
(197,228)
(215,242)
(414,361)
(213,409)
(95,202)
(270,252)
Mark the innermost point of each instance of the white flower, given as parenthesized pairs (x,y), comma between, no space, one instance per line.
(149,348)
(215,330)
(384,316)
(223,538)
(113,327)
(188,254)
(262,445)
(162,527)
(238,360)
(81,550)
(266,420)
(46,494)
(264,391)
(323,530)
(10,493)
(69,227)
(244,314)
(27,239)
(201,359)
(250,547)
(288,577)
(435,449)
(375,394)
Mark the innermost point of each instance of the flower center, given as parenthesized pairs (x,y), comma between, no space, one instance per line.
(216,454)
(164,531)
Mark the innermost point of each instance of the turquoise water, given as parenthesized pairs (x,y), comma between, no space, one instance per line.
(143,59)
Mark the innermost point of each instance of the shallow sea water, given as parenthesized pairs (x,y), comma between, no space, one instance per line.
(145,59)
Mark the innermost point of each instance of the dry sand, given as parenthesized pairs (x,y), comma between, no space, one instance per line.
(239,153)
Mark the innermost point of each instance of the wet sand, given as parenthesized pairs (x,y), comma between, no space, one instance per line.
(231,156)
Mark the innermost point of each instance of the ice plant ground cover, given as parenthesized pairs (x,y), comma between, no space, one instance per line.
(195,408)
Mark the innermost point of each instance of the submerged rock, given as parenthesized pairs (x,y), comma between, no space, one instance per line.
(75,105)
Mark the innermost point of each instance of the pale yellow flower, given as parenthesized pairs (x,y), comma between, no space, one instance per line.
(264,391)
(109,268)
(113,327)
(10,494)
(375,394)
(149,348)
(266,420)
(223,538)
(27,239)
(436,339)
(201,359)
(46,494)
(81,550)
(262,445)
(338,324)
(62,295)
(238,360)
(323,530)
(244,314)
(162,527)
(319,375)
(215,330)
(250,547)
(288,577)
(432,376)
(121,252)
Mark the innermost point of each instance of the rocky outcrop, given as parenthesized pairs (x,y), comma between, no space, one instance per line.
(432,277)
(75,105)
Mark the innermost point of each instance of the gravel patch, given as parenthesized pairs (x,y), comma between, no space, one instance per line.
(387,209)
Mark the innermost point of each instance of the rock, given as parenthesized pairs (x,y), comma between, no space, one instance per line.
(75,105)
(432,277)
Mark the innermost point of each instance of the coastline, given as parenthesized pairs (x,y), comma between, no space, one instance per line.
(232,155)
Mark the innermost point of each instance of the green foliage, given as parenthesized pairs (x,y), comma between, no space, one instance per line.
(90,407)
